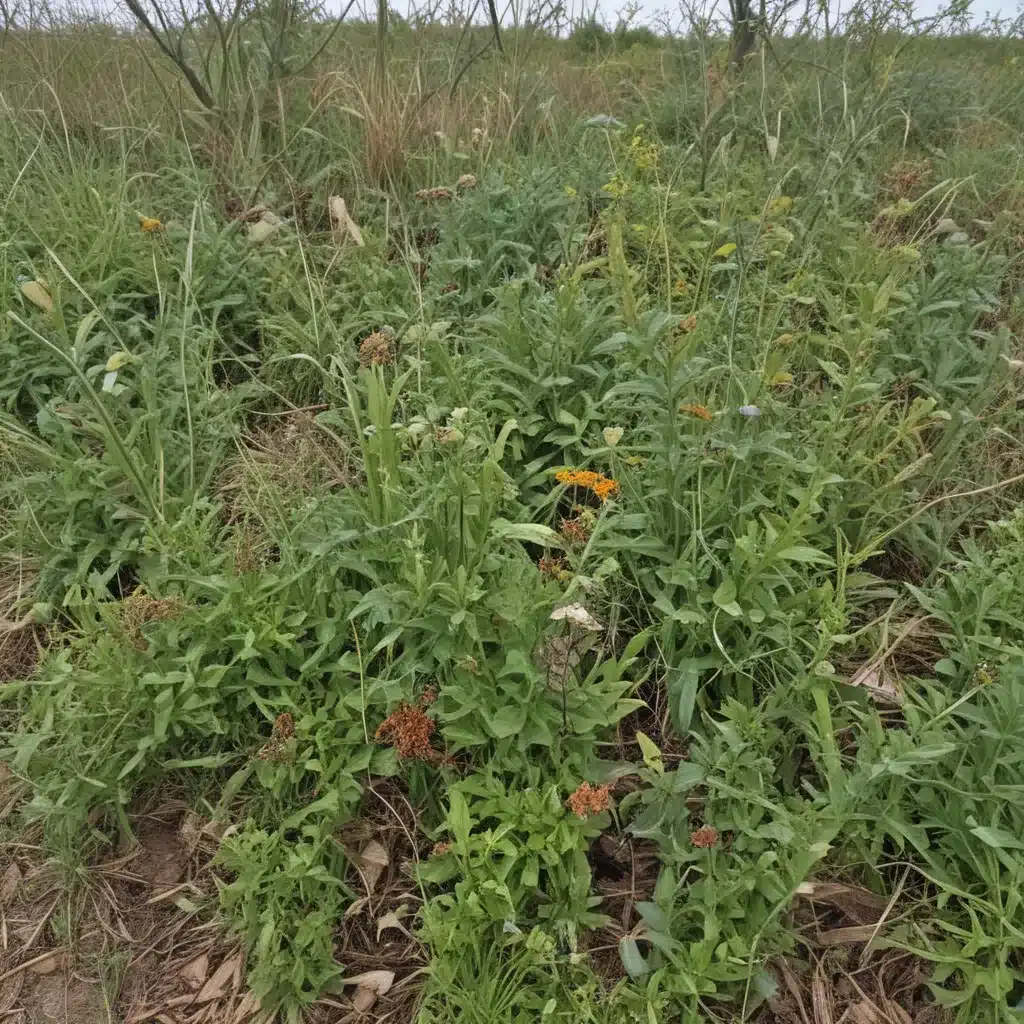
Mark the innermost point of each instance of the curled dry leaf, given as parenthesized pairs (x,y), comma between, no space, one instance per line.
(878,682)
(578,616)
(342,223)
(37,293)
(371,862)
(217,986)
(393,920)
(194,973)
(47,965)
(369,986)
(860,904)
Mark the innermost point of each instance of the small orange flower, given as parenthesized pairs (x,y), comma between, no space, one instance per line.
(705,837)
(604,487)
(589,800)
(702,412)
(150,225)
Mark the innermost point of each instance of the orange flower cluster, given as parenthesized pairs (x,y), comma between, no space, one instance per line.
(589,800)
(705,837)
(408,730)
(702,412)
(440,849)
(604,487)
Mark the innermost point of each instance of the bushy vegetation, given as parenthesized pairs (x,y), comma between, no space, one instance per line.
(601,472)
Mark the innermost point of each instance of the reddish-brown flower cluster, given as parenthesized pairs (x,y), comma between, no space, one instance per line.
(575,531)
(408,730)
(440,849)
(284,726)
(589,800)
(552,566)
(429,696)
(688,324)
(705,837)
(702,412)
(604,487)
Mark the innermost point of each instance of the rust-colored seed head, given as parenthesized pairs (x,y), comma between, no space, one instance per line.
(440,849)
(688,324)
(705,837)
(408,730)
(284,726)
(589,800)
(435,195)
(575,531)
(376,349)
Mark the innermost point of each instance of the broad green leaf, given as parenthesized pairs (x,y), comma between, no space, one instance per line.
(508,721)
(651,753)
(726,250)
(531,533)
(997,838)
(632,960)
(725,598)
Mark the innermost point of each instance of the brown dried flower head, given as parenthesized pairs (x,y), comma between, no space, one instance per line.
(705,837)
(408,730)
(440,849)
(589,800)
(441,194)
(688,324)
(465,182)
(377,349)
(139,608)
(284,726)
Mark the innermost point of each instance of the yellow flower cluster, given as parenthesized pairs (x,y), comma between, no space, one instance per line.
(604,487)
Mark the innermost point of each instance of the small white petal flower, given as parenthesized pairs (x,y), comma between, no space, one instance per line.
(612,435)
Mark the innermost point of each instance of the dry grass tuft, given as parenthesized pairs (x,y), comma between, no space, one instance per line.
(291,458)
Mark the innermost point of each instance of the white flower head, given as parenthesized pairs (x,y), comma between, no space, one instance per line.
(578,616)
(612,435)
